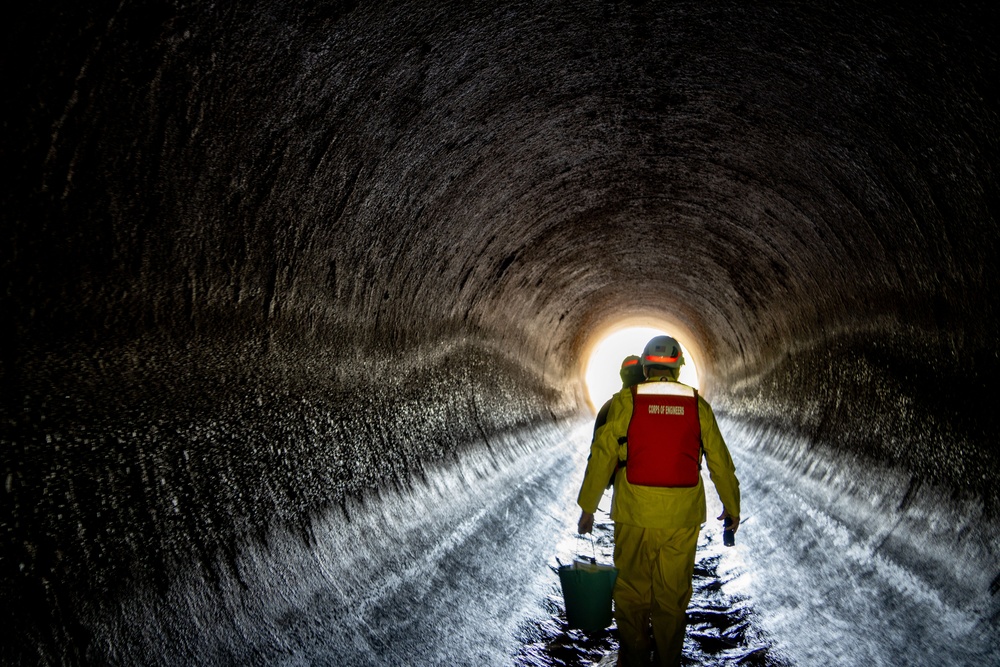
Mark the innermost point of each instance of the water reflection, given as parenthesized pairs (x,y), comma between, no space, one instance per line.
(854,565)
(461,570)
(722,626)
(838,563)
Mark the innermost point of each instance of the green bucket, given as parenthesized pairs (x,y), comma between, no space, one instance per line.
(587,590)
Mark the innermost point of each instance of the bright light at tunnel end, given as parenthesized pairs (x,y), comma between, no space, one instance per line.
(602,378)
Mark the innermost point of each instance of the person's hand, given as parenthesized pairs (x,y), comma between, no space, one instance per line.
(735,520)
(586,523)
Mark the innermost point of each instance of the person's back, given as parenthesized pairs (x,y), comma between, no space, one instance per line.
(631,374)
(659,498)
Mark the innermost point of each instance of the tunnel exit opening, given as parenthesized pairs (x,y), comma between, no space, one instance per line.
(604,360)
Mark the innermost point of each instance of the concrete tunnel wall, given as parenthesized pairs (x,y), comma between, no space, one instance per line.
(262,259)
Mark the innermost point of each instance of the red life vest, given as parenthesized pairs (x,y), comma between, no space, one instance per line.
(664,436)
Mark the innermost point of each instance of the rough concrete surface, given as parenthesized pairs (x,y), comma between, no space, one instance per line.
(262,259)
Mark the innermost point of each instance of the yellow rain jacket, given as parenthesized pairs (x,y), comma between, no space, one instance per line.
(656,507)
(656,533)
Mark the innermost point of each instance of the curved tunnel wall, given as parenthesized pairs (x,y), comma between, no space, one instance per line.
(252,250)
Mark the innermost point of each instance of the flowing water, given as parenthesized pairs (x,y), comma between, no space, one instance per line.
(444,573)
(461,570)
(843,565)
(723,628)
(857,565)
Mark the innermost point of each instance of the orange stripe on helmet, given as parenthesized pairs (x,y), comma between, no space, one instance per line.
(629,362)
(652,358)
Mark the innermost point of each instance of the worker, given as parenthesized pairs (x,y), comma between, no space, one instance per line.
(657,431)
(631,374)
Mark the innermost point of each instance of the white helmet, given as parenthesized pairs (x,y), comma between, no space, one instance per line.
(662,351)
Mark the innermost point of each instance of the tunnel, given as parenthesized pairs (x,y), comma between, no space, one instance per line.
(298,298)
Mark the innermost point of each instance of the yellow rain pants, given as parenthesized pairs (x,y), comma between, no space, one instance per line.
(656,566)
(656,532)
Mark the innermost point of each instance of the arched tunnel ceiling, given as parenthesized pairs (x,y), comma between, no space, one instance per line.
(795,167)
(344,190)
(772,178)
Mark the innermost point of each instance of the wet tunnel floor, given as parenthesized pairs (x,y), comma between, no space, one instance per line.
(813,580)
(721,625)
(461,570)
